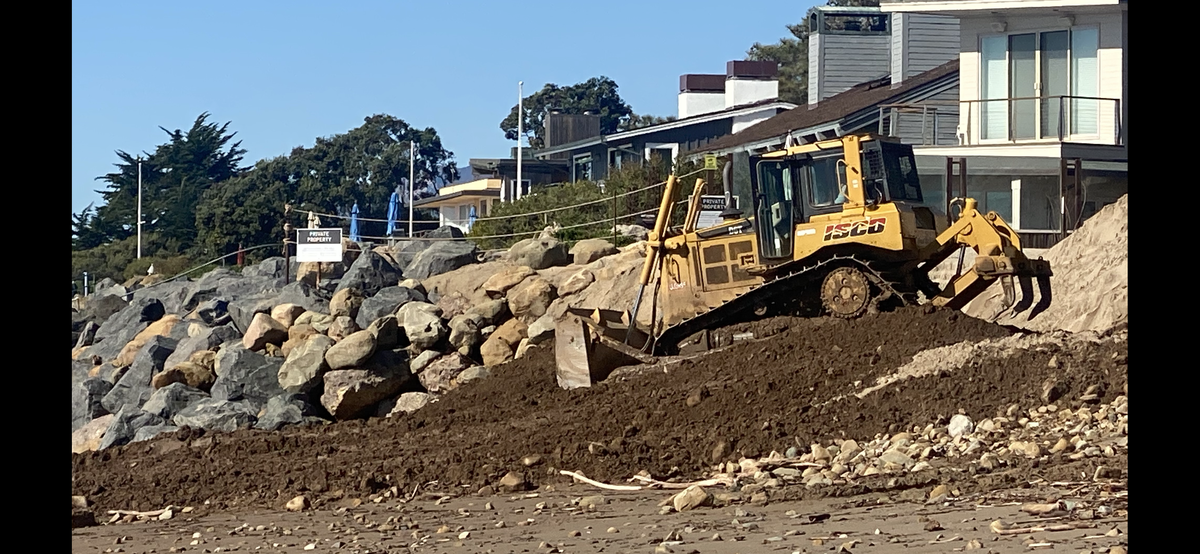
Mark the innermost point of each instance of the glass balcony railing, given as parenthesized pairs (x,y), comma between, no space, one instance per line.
(1042,119)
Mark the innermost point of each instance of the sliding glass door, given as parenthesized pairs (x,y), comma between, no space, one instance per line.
(1017,68)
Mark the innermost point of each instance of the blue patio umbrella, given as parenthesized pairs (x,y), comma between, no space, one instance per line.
(471,218)
(354,223)
(393,212)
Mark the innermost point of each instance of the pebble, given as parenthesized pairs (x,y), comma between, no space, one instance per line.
(297,504)
(613,530)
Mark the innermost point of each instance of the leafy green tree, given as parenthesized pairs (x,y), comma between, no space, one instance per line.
(598,94)
(792,55)
(174,178)
(364,165)
(639,121)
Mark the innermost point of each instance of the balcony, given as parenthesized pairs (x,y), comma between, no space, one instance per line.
(1041,119)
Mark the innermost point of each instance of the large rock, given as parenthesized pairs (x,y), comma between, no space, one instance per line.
(587,251)
(541,330)
(285,409)
(423,359)
(159,329)
(370,273)
(133,388)
(243,310)
(86,401)
(438,376)
(87,335)
(577,282)
(495,351)
(172,399)
(246,375)
(304,295)
(170,294)
(351,351)
(213,312)
(406,403)
(346,302)
(453,303)
(471,374)
(286,314)
(150,431)
(464,333)
(636,232)
(319,321)
(353,393)
(442,257)
(493,312)
(274,268)
(530,300)
(125,425)
(499,284)
(305,365)
(104,305)
(422,324)
(342,327)
(386,301)
(213,414)
(539,253)
(309,272)
(205,339)
(511,332)
(387,332)
(264,330)
(192,374)
(88,437)
(297,334)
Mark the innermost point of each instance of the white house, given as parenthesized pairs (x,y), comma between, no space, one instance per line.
(457,203)
(1042,117)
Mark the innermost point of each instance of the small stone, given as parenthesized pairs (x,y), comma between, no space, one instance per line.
(613,530)
(974,544)
(310,546)
(940,490)
(464,535)
(297,504)
(933,525)
(1060,446)
(531,460)
(1117,550)
(574,533)
(591,501)
(960,425)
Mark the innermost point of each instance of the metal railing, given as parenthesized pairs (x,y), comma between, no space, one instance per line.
(1042,118)
(893,116)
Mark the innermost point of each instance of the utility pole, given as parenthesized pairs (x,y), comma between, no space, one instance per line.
(412,161)
(139,215)
(520,117)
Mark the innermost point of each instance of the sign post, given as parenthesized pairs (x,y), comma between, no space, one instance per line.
(710,162)
(319,245)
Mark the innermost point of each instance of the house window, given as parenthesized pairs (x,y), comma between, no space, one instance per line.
(582,168)
(1040,85)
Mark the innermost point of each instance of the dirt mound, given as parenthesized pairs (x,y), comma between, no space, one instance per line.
(754,397)
(1090,285)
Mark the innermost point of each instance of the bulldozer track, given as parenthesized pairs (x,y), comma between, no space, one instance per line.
(889,280)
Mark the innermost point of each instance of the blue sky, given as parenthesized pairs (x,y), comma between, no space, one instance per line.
(284,73)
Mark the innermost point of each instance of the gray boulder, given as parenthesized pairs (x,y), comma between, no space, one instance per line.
(285,409)
(386,301)
(136,316)
(439,375)
(387,333)
(171,294)
(442,257)
(539,253)
(87,335)
(423,359)
(102,306)
(133,388)
(464,333)
(125,425)
(207,339)
(172,399)
(305,365)
(86,401)
(493,312)
(213,414)
(151,431)
(272,267)
(246,375)
(636,232)
(406,403)
(370,273)
(214,312)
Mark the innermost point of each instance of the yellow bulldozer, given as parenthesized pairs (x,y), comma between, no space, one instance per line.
(837,228)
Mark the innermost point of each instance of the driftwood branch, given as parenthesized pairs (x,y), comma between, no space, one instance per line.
(1001,528)
(152,513)
(599,484)
(723,480)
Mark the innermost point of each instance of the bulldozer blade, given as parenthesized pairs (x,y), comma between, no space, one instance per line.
(1044,301)
(585,355)
(1026,294)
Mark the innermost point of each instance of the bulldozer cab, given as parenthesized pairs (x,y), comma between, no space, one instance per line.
(802,183)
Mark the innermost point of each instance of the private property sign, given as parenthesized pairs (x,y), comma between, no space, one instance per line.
(318,245)
(711,206)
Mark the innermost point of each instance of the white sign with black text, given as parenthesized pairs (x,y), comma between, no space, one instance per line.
(319,245)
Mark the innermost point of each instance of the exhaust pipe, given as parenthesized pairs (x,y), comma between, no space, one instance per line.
(727,181)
